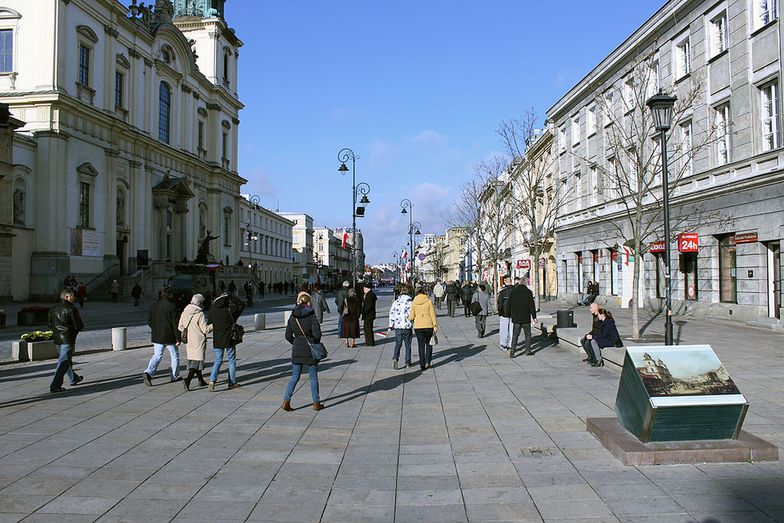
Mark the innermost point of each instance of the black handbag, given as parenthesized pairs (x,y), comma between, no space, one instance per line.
(184,332)
(476,308)
(236,334)
(317,350)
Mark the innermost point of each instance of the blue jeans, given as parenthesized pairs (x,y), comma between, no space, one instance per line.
(402,336)
(231,355)
(340,325)
(64,366)
(296,371)
(157,356)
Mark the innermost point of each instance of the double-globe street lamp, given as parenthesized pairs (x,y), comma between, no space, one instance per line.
(345,155)
(661,106)
(413,229)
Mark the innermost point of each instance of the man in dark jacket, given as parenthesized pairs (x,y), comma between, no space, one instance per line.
(369,314)
(224,313)
(452,292)
(596,327)
(163,320)
(136,294)
(520,307)
(504,323)
(66,323)
(465,294)
(340,298)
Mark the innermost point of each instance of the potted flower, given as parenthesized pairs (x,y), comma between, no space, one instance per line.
(34,346)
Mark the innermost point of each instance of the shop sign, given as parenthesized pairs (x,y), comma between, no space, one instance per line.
(688,242)
(523,264)
(657,247)
(746,237)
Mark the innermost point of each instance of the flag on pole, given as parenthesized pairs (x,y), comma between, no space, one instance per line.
(404,255)
(345,240)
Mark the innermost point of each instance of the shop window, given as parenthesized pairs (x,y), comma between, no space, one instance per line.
(728,285)
(688,262)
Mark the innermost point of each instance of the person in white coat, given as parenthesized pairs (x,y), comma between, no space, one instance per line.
(193,321)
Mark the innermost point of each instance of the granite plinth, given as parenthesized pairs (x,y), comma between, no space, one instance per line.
(631,451)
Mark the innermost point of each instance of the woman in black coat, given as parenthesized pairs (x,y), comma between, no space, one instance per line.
(604,338)
(350,319)
(224,313)
(303,329)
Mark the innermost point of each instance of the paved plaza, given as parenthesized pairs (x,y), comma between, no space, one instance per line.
(479,437)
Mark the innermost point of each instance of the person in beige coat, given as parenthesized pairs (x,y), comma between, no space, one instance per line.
(423,314)
(194,321)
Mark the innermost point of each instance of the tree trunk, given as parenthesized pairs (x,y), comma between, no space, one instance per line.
(636,291)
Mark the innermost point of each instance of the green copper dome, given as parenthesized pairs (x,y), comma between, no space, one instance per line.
(199,8)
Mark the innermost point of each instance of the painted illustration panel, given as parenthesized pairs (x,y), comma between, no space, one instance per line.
(682,371)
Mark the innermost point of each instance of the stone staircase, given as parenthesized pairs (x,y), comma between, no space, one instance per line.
(768,323)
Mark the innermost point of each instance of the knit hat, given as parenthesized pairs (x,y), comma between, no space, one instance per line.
(303,298)
(346,284)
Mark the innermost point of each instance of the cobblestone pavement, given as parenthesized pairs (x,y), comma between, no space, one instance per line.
(478,437)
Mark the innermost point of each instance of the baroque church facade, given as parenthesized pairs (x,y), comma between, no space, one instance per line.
(128,139)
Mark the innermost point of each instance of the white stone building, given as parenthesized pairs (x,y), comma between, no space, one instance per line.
(130,136)
(732,51)
(332,258)
(304,265)
(265,238)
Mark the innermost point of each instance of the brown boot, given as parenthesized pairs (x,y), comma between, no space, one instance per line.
(318,406)
(286,406)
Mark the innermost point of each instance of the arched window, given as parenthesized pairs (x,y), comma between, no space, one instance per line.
(164,113)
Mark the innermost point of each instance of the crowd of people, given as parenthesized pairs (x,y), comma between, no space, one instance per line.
(412,315)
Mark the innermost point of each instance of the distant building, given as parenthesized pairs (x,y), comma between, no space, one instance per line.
(266,242)
(304,268)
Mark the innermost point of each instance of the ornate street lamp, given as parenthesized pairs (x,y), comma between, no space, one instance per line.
(661,106)
(345,155)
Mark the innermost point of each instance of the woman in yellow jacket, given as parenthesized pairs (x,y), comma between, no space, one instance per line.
(423,314)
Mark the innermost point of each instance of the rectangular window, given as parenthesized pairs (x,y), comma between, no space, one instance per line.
(84,204)
(728,285)
(201,135)
(769,115)
(718,34)
(118,90)
(628,94)
(6,50)
(765,11)
(562,138)
(225,147)
(84,65)
(721,119)
(575,130)
(226,230)
(608,107)
(689,270)
(590,121)
(682,58)
(686,148)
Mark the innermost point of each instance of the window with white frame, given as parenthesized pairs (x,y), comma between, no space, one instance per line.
(718,34)
(590,120)
(575,129)
(685,130)
(764,12)
(562,138)
(682,57)
(608,106)
(653,80)
(84,204)
(6,50)
(164,112)
(628,94)
(721,119)
(84,65)
(769,115)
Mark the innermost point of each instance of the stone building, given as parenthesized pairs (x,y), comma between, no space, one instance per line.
(265,242)
(332,257)
(130,136)
(726,144)
(304,265)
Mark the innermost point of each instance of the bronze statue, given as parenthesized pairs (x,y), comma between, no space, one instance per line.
(204,250)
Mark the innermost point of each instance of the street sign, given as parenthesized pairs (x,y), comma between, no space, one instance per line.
(657,247)
(746,237)
(688,242)
(523,264)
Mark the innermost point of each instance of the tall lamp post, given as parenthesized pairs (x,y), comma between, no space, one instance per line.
(661,106)
(413,228)
(345,155)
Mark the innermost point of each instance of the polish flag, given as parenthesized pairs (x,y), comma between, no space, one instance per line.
(408,267)
(404,255)
(345,240)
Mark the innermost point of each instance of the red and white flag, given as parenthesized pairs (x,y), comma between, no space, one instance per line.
(345,240)
(408,267)
(404,255)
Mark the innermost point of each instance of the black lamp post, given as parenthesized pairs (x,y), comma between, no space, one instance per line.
(345,155)
(661,106)
(413,228)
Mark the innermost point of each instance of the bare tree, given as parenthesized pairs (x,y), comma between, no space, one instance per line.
(631,175)
(535,197)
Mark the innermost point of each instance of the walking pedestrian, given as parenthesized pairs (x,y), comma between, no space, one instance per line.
(596,327)
(194,322)
(303,329)
(465,294)
(114,290)
(340,299)
(81,293)
(232,288)
(438,293)
(318,303)
(400,321)
(423,314)
(65,323)
(483,298)
(136,294)
(261,289)
(163,320)
(248,288)
(522,310)
(452,294)
(350,318)
(504,323)
(224,313)
(606,337)
(369,314)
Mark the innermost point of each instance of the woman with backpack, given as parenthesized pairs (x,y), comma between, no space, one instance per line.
(606,337)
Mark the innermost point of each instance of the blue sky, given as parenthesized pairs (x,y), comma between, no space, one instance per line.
(415,88)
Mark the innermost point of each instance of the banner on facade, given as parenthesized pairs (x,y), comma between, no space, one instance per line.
(657,247)
(85,242)
(688,242)
(746,237)
(523,264)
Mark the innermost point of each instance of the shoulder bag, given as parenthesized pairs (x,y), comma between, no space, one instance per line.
(184,332)
(236,334)
(317,350)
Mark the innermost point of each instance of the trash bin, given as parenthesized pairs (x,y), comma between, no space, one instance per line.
(260,321)
(566,319)
(119,338)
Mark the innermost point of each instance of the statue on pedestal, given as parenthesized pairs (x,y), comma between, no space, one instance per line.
(202,256)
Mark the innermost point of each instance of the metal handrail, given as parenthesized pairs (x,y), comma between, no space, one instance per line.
(112,266)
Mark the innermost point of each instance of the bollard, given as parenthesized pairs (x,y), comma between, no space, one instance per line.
(286,316)
(119,338)
(260,321)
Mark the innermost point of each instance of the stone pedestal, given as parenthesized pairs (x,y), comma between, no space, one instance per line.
(260,322)
(34,350)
